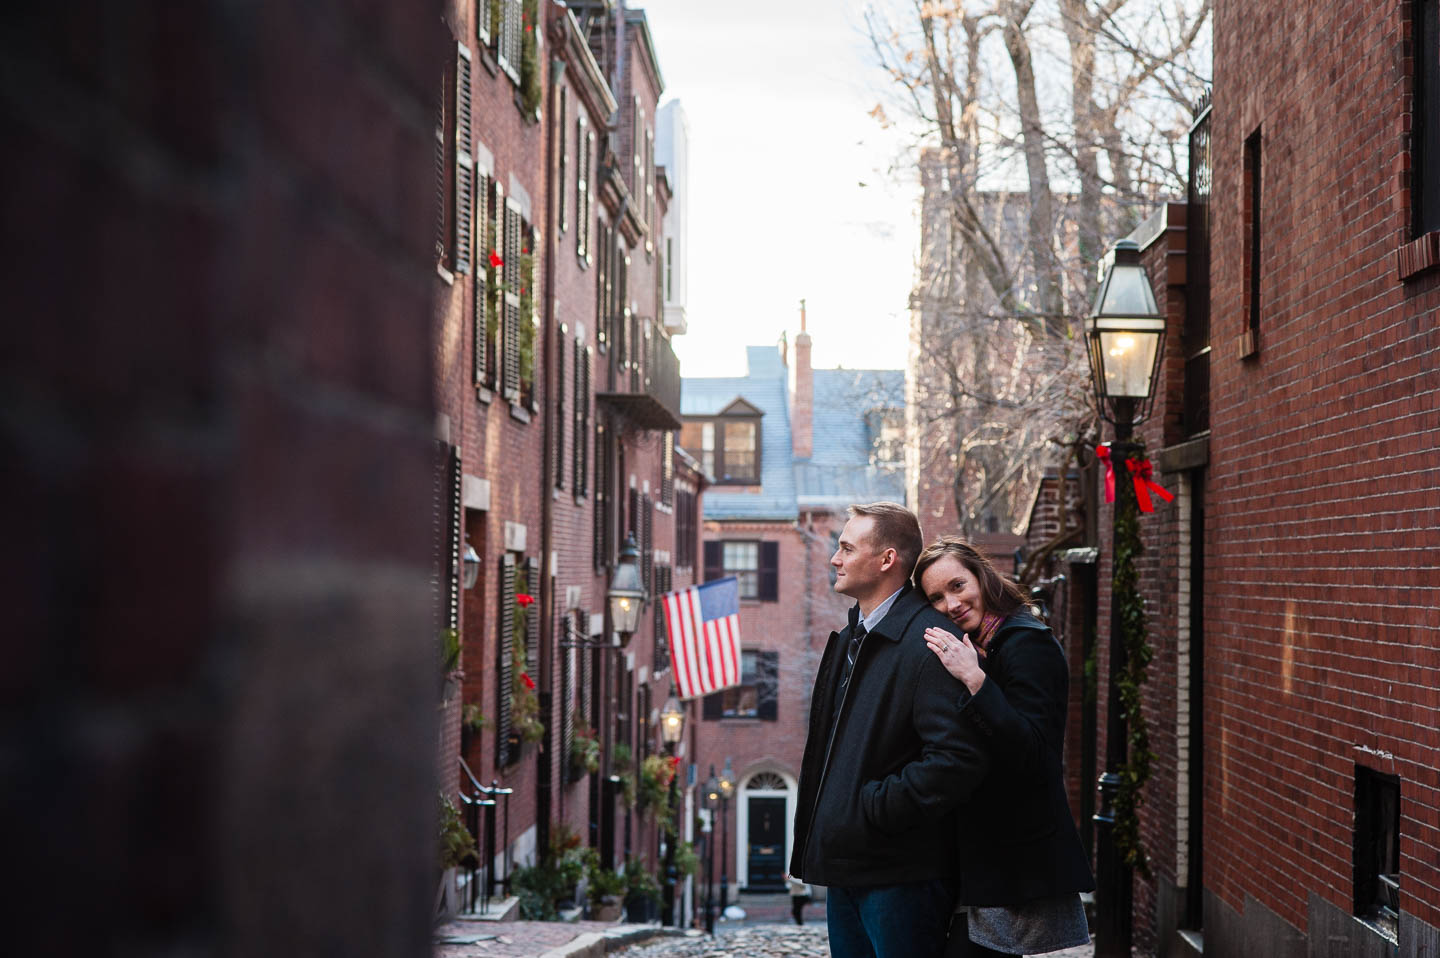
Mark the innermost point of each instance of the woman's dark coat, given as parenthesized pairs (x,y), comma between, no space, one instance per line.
(1018,841)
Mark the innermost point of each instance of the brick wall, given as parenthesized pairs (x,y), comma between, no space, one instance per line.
(215,368)
(1324,511)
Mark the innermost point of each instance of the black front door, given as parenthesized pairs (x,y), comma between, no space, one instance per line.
(766,843)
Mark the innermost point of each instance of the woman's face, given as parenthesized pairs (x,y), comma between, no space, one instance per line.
(952,590)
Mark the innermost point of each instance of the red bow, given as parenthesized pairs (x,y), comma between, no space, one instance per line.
(1103,454)
(1140,473)
(525,599)
(527,680)
(495,261)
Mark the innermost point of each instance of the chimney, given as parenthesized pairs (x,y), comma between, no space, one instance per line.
(802,412)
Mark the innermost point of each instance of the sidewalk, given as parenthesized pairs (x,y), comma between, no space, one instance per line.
(464,938)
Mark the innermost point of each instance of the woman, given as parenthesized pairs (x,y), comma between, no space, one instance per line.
(1022,866)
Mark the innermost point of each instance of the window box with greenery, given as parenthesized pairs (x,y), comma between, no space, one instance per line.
(584,749)
(550,884)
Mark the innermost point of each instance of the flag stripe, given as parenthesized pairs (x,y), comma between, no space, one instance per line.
(705,652)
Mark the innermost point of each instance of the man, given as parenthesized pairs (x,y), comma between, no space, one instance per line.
(887,759)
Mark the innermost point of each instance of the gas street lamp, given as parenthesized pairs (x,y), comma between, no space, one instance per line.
(1126,336)
(672,730)
(626,591)
(726,788)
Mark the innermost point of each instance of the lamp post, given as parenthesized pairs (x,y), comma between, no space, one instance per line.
(470,566)
(623,600)
(712,798)
(727,789)
(672,730)
(1125,334)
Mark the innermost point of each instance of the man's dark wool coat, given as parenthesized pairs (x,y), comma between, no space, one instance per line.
(1018,842)
(887,761)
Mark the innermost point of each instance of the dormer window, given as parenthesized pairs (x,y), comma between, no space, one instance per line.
(727,445)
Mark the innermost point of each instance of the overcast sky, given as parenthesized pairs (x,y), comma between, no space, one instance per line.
(789,194)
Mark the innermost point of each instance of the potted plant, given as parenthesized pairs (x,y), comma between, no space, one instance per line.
(642,894)
(606,892)
(472,722)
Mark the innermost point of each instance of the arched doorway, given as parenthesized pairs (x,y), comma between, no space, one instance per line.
(764,824)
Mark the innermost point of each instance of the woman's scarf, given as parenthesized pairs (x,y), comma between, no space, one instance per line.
(989,625)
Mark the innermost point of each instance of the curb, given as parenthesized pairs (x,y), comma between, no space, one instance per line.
(597,944)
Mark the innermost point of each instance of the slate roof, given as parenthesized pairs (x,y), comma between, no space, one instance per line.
(838,472)
(764,389)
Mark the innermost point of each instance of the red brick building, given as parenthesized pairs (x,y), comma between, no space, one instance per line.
(559,396)
(1290,587)
(789,447)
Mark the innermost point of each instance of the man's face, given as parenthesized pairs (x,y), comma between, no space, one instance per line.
(859,564)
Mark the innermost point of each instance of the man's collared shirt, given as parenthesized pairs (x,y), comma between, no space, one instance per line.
(880,611)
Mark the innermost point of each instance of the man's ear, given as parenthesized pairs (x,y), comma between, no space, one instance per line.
(888,558)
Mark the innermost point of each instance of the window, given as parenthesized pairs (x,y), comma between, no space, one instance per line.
(886,427)
(483,305)
(742,455)
(727,448)
(1425,119)
(757,695)
(742,560)
(669,268)
(755,566)
(506,18)
(584,149)
(1377,849)
(698,439)
(1250,337)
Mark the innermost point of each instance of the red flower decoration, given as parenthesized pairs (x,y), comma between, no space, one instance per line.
(525,599)
(529,682)
(495,260)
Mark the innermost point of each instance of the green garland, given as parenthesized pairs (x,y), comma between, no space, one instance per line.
(530,59)
(1129,605)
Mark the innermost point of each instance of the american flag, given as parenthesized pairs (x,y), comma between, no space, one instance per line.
(704,626)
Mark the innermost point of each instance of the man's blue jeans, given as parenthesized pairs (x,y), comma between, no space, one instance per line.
(889,921)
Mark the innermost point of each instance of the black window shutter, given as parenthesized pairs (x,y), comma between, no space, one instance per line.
(767,685)
(769,590)
(647,551)
(581,438)
(584,671)
(713,707)
(505,750)
(662,645)
(714,560)
(632,524)
(567,698)
(532,623)
(510,334)
(559,418)
(442,168)
(452,544)
(464,163)
(667,470)
(482,290)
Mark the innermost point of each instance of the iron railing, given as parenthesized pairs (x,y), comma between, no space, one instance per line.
(479,803)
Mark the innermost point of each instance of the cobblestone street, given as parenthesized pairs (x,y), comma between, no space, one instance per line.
(766,941)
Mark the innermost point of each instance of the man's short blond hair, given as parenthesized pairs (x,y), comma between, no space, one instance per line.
(895,528)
